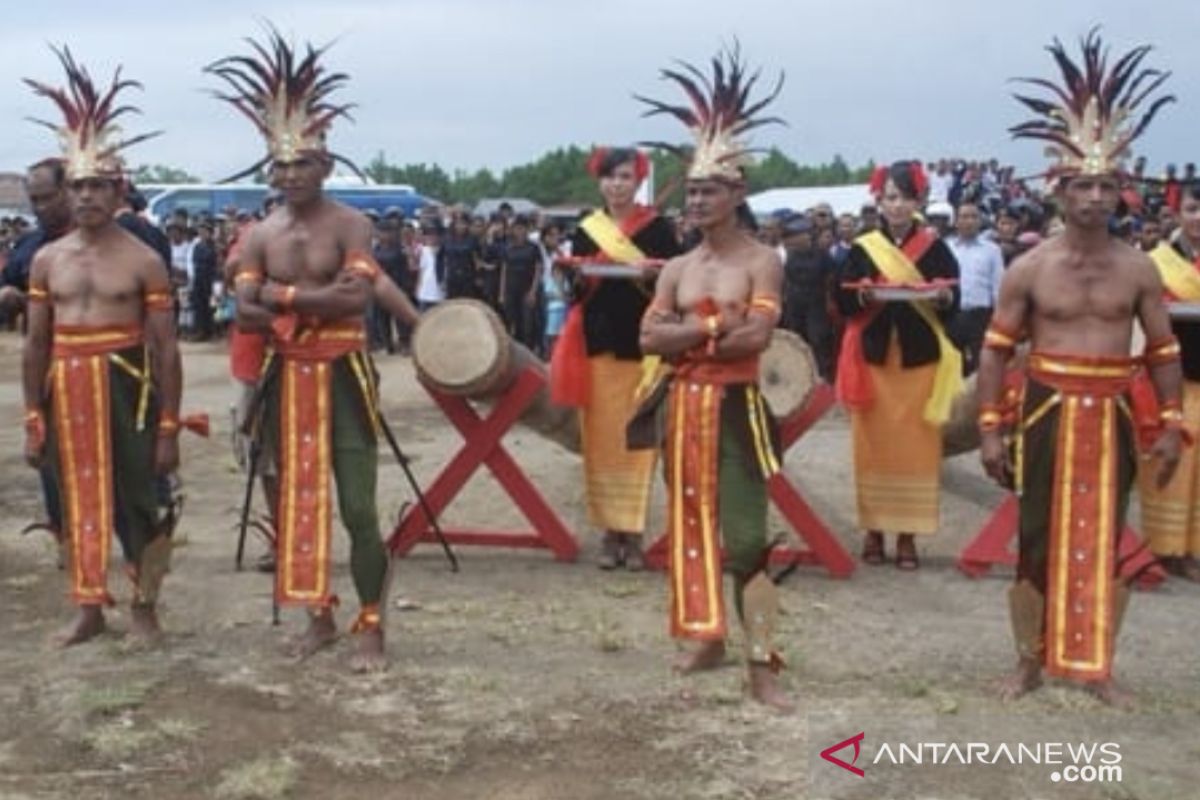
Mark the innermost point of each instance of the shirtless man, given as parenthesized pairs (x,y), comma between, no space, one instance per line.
(305,276)
(101,356)
(1076,297)
(712,315)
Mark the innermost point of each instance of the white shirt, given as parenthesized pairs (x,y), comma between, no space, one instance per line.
(181,258)
(939,187)
(980,270)
(428,288)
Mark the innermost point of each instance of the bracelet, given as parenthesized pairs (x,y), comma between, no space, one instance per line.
(990,417)
(168,426)
(990,420)
(713,325)
(288,297)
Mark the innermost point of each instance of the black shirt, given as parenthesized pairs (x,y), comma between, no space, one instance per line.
(1187,331)
(20,257)
(918,345)
(521,260)
(459,253)
(612,314)
(204,267)
(806,276)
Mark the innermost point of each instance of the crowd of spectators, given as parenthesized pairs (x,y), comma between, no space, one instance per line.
(514,263)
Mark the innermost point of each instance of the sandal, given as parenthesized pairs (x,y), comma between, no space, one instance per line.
(906,552)
(872,552)
(610,552)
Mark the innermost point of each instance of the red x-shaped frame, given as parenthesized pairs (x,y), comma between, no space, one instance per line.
(483,447)
(991,546)
(823,546)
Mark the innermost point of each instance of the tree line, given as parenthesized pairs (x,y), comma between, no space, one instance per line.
(559,177)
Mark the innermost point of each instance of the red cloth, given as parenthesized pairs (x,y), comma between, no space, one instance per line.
(246,354)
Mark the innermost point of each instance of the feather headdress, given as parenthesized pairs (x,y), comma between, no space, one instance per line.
(1090,119)
(719,115)
(89,136)
(287,98)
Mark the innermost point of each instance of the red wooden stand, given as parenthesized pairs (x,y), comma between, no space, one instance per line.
(483,446)
(824,548)
(991,546)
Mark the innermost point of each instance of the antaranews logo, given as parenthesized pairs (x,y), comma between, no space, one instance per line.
(1073,762)
(856,742)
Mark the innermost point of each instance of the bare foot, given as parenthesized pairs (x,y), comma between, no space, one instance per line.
(370,656)
(321,633)
(765,689)
(143,623)
(1108,693)
(88,625)
(1022,681)
(708,655)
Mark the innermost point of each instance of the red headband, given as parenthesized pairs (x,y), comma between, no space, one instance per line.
(879,179)
(641,164)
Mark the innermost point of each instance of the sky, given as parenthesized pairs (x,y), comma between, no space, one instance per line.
(494,83)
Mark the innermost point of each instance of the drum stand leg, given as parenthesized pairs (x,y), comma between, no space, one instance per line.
(483,446)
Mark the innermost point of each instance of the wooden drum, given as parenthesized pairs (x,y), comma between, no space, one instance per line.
(787,373)
(462,348)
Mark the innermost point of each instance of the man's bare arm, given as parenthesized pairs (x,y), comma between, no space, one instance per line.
(393,300)
(751,335)
(35,360)
(1166,373)
(35,357)
(252,315)
(1152,313)
(162,344)
(1011,314)
(663,332)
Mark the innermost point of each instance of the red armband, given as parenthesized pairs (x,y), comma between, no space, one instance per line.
(1000,339)
(1161,351)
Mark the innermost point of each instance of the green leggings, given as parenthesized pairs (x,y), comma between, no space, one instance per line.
(355,467)
(742,511)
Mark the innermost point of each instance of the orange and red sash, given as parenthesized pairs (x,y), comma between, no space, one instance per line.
(304,515)
(854,387)
(692,461)
(569,378)
(81,404)
(1085,498)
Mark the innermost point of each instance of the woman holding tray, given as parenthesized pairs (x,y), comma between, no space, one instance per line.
(898,372)
(597,363)
(1171,514)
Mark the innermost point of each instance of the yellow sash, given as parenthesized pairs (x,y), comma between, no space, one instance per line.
(609,237)
(1179,275)
(896,267)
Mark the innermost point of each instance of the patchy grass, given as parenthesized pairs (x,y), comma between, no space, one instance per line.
(119,739)
(178,728)
(111,700)
(269,778)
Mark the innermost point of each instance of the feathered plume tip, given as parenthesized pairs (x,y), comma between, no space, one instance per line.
(720,112)
(1089,120)
(287,98)
(89,136)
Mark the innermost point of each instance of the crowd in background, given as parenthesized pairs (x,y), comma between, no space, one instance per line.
(515,263)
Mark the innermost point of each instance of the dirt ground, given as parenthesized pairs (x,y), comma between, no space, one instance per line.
(528,679)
